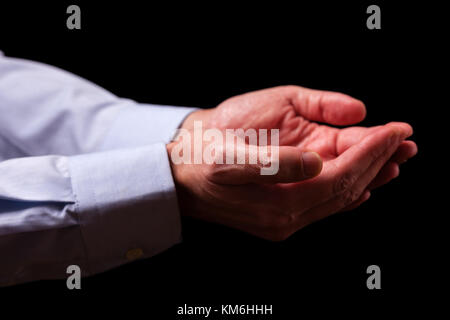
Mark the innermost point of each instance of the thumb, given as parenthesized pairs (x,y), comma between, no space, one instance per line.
(284,165)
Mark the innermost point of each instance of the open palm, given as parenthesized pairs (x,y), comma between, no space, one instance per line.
(354,160)
(301,115)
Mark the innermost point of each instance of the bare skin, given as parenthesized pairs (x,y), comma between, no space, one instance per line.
(352,161)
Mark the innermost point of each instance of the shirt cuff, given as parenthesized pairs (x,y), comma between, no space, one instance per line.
(126,204)
(142,124)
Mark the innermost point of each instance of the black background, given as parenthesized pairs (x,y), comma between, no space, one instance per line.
(200,54)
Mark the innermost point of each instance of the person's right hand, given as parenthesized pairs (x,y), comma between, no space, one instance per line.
(274,207)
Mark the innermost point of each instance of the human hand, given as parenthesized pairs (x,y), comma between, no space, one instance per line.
(297,112)
(356,160)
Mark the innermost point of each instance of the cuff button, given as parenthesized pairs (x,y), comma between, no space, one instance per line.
(134,254)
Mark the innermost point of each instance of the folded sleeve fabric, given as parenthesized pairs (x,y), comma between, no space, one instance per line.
(85,177)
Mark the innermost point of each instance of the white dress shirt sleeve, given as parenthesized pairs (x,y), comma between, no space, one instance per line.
(84,175)
(45,110)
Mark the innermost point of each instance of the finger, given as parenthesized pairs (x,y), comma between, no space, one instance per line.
(368,156)
(401,132)
(286,164)
(351,184)
(339,175)
(326,106)
(316,214)
(348,137)
(364,197)
(405,151)
(390,171)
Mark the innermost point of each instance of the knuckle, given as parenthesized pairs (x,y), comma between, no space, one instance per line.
(348,197)
(343,184)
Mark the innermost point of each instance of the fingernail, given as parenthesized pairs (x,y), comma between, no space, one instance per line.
(312,164)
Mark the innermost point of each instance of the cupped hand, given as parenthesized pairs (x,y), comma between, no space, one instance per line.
(302,115)
(355,160)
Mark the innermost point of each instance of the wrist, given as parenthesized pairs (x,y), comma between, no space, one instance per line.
(178,173)
(199,115)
